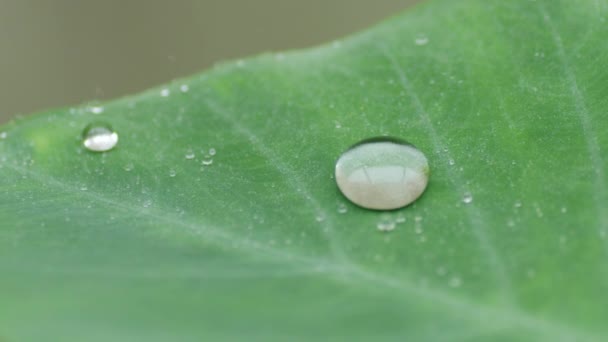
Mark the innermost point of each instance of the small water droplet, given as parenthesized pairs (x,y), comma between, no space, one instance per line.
(128,167)
(564,210)
(418,219)
(382,173)
(467,198)
(400,218)
(190,155)
(99,137)
(84,188)
(386,223)
(165,92)
(342,208)
(96,109)
(451,162)
(172,173)
(147,203)
(517,204)
(421,40)
(184,88)
(212,151)
(320,218)
(3,135)
(207,162)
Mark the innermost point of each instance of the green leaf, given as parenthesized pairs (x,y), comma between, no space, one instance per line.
(106,247)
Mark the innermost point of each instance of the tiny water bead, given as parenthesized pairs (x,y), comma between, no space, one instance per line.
(382,173)
(467,198)
(99,137)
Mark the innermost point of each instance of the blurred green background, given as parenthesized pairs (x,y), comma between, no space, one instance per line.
(63,52)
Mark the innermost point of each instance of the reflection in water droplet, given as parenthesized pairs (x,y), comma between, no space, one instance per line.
(382,173)
(467,198)
(190,155)
(207,162)
(128,167)
(172,173)
(451,162)
(342,209)
(212,151)
(99,137)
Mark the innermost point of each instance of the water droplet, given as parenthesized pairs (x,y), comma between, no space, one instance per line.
(165,92)
(172,173)
(320,218)
(84,188)
(400,218)
(212,151)
(190,155)
(467,198)
(386,223)
(184,88)
(564,210)
(451,162)
(3,135)
(95,109)
(421,40)
(99,138)
(382,173)
(128,167)
(517,204)
(207,162)
(342,209)
(147,203)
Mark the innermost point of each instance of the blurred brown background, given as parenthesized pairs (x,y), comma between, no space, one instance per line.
(61,52)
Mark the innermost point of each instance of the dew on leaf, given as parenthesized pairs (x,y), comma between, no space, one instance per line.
(212,151)
(3,135)
(382,173)
(96,109)
(190,155)
(342,209)
(207,162)
(386,223)
(184,88)
(165,92)
(421,40)
(99,137)
(172,173)
(467,198)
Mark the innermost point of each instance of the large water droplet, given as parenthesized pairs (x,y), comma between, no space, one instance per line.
(382,173)
(99,137)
